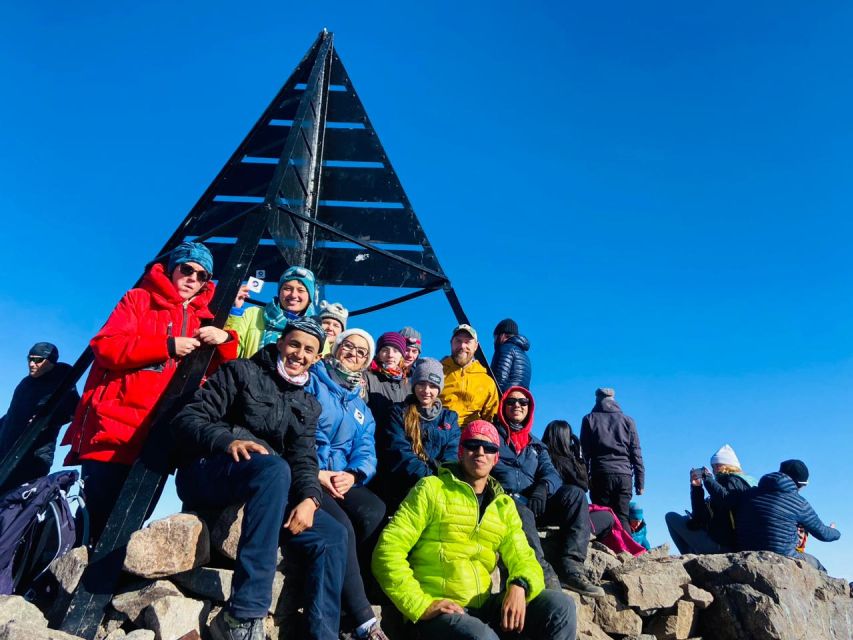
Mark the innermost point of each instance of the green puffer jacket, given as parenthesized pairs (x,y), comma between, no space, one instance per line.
(435,547)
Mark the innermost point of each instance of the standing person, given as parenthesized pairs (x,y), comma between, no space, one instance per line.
(611,448)
(414,347)
(247,437)
(468,388)
(346,452)
(333,316)
(511,365)
(768,516)
(710,528)
(136,354)
(46,374)
(257,327)
(384,382)
(435,557)
(525,472)
(421,435)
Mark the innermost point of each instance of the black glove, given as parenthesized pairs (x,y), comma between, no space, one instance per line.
(537,496)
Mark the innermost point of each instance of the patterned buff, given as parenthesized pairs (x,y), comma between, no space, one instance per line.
(346,378)
(275,319)
(394,373)
(299,381)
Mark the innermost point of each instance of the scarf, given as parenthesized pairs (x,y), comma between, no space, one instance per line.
(432,412)
(343,376)
(275,320)
(394,373)
(299,381)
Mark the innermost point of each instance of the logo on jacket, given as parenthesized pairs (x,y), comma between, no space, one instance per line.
(359,416)
(444,426)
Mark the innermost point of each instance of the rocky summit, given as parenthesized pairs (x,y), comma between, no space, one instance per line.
(178,578)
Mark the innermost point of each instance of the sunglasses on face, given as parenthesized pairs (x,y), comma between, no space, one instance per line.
(519,401)
(187,270)
(475,445)
(36,359)
(349,346)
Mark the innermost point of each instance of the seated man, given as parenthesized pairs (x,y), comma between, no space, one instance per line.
(768,515)
(468,388)
(435,557)
(247,437)
(526,473)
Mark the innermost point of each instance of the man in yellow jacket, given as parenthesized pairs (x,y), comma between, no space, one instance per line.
(468,388)
(435,558)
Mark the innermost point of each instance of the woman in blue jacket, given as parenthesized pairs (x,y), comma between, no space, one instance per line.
(421,435)
(346,453)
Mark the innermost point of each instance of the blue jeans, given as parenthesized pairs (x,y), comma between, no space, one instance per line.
(262,484)
(549,615)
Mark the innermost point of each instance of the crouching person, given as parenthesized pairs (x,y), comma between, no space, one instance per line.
(435,557)
(247,437)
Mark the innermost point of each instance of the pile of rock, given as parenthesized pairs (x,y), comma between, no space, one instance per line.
(174,589)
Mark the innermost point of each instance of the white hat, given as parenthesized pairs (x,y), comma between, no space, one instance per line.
(371,346)
(725,455)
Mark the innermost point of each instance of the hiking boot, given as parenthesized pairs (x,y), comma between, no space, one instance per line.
(578,583)
(374,633)
(227,627)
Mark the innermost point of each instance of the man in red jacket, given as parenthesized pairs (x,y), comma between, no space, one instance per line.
(136,354)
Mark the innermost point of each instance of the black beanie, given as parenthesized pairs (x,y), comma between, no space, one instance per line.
(796,470)
(45,350)
(508,326)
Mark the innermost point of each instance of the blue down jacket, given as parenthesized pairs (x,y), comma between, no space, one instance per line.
(511,364)
(345,431)
(767,516)
(399,467)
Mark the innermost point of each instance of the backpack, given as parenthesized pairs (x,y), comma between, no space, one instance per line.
(36,527)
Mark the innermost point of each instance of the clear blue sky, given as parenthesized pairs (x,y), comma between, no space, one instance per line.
(659,194)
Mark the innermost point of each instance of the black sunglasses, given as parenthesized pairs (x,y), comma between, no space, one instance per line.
(36,359)
(473,445)
(522,401)
(187,270)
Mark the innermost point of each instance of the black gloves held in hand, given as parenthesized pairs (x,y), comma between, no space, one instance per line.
(537,496)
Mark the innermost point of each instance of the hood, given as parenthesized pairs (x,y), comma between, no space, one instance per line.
(607,405)
(163,292)
(777,481)
(520,341)
(521,438)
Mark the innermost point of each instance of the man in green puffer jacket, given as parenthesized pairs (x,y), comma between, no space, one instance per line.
(435,558)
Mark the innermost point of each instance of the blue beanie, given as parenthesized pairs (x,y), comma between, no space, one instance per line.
(191,252)
(635,512)
(303,275)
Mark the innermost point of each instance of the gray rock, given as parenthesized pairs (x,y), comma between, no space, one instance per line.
(117,634)
(113,620)
(140,634)
(207,582)
(23,631)
(675,625)
(585,611)
(701,598)
(615,618)
(16,609)
(598,564)
(173,616)
(133,601)
(655,584)
(168,546)
(225,532)
(67,570)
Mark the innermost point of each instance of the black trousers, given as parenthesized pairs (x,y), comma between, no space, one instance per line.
(612,490)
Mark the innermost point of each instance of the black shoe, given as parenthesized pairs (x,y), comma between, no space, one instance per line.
(230,628)
(578,583)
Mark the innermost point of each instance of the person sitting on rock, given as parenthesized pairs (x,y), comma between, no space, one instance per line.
(346,451)
(525,471)
(333,317)
(435,557)
(385,382)
(421,435)
(639,531)
(413,348)
(510,364)
(565,452)
(247,437)
(768,516)
(468,388)
(257,327)
(710,527)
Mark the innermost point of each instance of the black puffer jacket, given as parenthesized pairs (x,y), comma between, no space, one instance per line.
(610,442)
(249,400)
(511,364)
(716,513)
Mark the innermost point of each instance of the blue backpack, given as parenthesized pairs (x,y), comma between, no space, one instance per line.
(36,527)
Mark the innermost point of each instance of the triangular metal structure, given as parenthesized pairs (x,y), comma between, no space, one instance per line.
(310,185)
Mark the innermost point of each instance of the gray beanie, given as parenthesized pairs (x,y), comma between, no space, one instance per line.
(335,311)
(604,392)
(428,370)
(412,336)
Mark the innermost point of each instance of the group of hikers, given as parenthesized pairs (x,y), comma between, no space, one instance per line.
(384,473)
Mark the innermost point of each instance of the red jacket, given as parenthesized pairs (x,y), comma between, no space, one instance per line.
(132,368)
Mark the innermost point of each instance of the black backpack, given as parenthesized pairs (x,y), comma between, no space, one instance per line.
(36,527)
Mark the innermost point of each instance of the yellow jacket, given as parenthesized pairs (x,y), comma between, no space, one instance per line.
(469,391)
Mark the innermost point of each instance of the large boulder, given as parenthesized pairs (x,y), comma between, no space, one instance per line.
(209,583)
(168,546)
(676,624)
(652,584)
(67,571)
(225,530)
(16,609)
(24,631)
(174,616)
(135,599)
(765,596)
